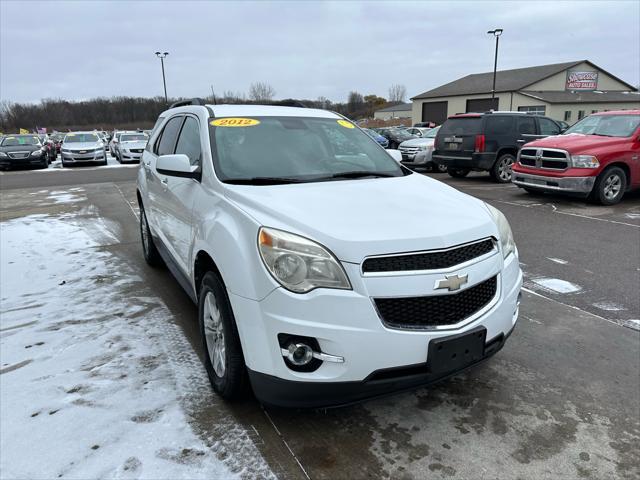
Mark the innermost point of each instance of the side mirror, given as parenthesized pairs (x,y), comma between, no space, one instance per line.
(395,154)
(177,166)
(563,129)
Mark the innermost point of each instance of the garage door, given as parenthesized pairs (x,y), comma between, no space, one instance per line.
(482,105)
(434,112)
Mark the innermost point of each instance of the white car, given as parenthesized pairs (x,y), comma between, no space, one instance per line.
(416,153)
(130,146)
(324,271)
(82,148)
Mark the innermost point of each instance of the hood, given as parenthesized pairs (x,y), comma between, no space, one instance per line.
(576,142)
(418,142)
(134,144)
(82,145)
(357,218)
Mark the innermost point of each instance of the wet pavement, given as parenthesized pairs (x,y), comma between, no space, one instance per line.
(561,400)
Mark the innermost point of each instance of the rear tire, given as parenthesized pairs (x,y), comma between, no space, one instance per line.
(610,186)
(224,360)
(149,250)
(458,172)
(501,170)
(440,168)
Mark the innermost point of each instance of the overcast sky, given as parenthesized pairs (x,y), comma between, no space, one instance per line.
(79,50)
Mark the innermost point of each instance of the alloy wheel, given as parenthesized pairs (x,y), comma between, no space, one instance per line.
(612,186)
(214,334)
(504,169)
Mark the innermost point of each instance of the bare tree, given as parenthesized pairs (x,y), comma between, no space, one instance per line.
(397,93)
(261,91)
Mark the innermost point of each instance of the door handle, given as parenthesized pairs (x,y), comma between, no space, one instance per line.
(164,181)
(521,141)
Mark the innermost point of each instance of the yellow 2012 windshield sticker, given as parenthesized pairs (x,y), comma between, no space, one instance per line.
(346,124)
(235,122)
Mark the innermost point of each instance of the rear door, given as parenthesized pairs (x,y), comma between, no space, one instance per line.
(157,208)
(457,136)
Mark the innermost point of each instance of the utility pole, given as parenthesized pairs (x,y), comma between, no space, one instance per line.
(162,56)
(496,33)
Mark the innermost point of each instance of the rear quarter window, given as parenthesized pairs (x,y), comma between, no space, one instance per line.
(461,126)
(498,125)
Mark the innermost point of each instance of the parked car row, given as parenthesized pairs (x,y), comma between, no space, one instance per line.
(598,157)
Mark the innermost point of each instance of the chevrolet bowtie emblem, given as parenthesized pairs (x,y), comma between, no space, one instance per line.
(451,282)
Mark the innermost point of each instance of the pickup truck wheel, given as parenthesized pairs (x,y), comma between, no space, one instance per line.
(610,186)
(149,250)
(224,360)
(458,172)
(501,170)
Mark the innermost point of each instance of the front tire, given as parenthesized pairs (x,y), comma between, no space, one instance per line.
(501,170)
(149,249)
(440,168)
(610,186)
(224,360)
(458,172)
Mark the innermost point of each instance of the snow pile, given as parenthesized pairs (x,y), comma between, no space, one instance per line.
(95,380)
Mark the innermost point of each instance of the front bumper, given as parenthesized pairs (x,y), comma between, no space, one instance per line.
(582,185)
(346,324)
(129,156)
(72,157)
(22,162)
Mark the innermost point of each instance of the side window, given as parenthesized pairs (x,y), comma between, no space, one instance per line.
(167,141)
(499,124)
(526,125)
(547,127)
(189,140)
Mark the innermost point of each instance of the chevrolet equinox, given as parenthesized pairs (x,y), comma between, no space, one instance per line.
(324,271)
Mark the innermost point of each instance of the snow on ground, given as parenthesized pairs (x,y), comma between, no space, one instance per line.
(95,380)
(556,285)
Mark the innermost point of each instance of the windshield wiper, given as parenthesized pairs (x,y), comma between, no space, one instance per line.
(263,181)
(602,135)
(361,174)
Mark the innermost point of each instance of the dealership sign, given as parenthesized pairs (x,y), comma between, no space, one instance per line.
(582,80)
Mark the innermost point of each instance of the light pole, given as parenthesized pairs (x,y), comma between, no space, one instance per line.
(497,32)
(162,56)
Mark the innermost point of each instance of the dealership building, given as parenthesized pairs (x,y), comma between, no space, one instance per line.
(562,91)
(403,110)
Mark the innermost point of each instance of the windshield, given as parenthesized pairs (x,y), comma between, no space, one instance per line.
(296,149)
(133,138)
(81,138)
(20,140)
(606,125)
(431,133)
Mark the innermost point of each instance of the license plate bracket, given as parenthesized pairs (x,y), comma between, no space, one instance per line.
(454,352)
(453,146)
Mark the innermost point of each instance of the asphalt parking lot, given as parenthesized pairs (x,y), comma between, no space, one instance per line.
(561,400)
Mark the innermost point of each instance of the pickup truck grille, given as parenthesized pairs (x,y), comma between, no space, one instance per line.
(436,310)
(429,260)
(544,158)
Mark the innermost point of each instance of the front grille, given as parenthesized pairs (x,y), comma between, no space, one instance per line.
(407,151)
(436,310)
(544,158)
(18,155)
(428,260)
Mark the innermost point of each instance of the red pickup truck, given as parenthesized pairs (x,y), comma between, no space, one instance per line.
(598,157)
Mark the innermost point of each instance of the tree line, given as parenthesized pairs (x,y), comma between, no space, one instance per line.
(139,112)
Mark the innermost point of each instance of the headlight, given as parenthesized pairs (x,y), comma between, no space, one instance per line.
(507,243)
(584,161)
(37,153)
(2,154)
(299,264)
(65,150)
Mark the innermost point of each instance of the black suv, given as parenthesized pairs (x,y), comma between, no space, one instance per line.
(488,141)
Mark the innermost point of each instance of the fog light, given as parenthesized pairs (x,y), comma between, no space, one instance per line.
(299,353)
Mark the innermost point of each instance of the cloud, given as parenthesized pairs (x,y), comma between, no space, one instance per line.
(76,50)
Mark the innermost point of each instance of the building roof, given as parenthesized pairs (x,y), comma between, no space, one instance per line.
(506,80)
(401,107)
(577,96)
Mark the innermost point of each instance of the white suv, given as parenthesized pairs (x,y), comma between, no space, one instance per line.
(324,271)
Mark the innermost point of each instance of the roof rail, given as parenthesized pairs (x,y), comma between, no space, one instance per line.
(193,101)
(289,102)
